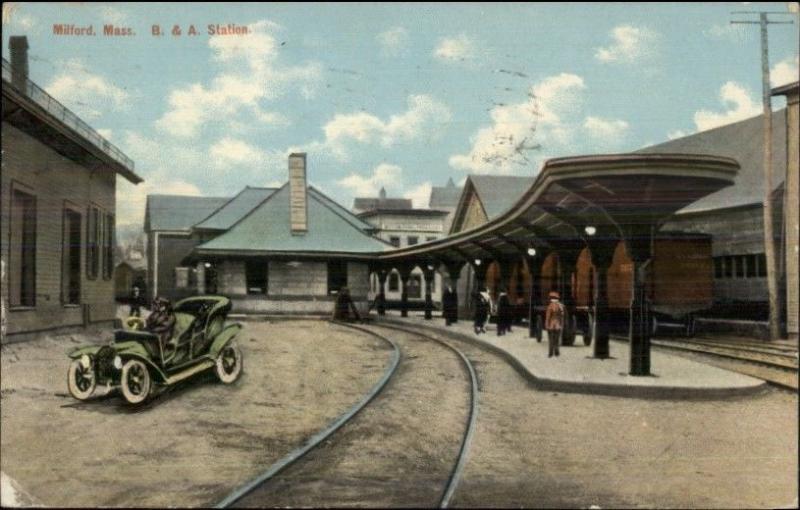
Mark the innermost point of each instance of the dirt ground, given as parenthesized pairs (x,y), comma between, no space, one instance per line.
(560,450)
(190,446)
(398,452)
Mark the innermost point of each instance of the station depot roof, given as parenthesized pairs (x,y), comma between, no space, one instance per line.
(265,230)
(621,195)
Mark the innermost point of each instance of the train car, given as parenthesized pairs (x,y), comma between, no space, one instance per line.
(679,284)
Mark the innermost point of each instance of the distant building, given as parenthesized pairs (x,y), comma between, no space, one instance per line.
(58,210)
(127,274)
(486,196)
(791,210)
(734,216)
(398,223)
(168,223)
(286,250)
(445,198)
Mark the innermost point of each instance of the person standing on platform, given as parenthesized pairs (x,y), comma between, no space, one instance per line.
(482,305)
(450,305)
(505,313)
(554,323)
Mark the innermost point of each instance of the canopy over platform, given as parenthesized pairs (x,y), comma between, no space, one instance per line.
(621,196)
(591,202)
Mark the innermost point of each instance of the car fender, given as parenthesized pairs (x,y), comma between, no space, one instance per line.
(89,350)
(222,339)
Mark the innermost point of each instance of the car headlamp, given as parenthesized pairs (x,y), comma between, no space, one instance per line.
(85,361)
(117,362)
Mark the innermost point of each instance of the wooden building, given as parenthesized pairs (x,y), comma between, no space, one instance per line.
(58,210)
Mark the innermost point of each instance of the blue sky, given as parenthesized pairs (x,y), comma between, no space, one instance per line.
(396,95)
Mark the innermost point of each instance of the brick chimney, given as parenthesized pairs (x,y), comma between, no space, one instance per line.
(18,48)
(298,201)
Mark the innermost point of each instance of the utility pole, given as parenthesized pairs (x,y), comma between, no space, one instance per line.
(769,239)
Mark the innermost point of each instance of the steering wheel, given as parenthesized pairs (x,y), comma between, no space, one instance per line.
(134,323)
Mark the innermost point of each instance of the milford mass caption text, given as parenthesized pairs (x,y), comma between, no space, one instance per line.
(110,30)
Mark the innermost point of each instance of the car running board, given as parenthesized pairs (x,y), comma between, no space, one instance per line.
(205,365)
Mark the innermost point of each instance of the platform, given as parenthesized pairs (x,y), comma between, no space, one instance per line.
(576,371)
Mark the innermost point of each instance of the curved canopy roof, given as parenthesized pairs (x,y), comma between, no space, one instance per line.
(620,195)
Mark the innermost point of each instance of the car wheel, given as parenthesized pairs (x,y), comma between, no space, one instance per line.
(229,363)
(81,380)
(135,382)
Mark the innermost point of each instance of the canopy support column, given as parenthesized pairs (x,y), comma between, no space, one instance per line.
(382,273)
(429,273)
(567,260)
(638,244)
(535,298)
(602,253)
(405,275)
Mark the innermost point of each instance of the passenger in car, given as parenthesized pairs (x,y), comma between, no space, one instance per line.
(162,320)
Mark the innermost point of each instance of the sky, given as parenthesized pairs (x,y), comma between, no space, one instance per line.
(401,96)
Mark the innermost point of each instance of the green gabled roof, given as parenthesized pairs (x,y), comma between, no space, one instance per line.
(234,209)
(342,211)
(331,228)
(178,212)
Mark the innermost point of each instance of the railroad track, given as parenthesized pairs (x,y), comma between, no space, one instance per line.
(777,368)
(312,443)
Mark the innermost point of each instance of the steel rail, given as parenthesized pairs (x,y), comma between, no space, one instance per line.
(320,436)
(455,474)
(700,349)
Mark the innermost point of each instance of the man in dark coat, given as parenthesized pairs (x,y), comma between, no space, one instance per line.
(482,305)
(505,314)
(343,306)
(450,305)
(162,320)
(136,302)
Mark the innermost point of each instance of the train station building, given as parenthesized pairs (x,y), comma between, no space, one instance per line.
(58,210)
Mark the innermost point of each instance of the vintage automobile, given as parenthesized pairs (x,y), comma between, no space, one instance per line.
(137,361)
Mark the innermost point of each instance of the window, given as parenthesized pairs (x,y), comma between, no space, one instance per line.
(71,258)
(256,274)
(718,267)
(412,240)
(181,277)
(394,282)
(22,256)
(740,266)
(414,290)
(433,283)
(337,276)
(751,266)
(93,243)
(729,267)
(762,265)
(108,247)
(395,240)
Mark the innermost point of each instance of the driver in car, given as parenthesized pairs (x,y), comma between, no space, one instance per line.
(162,320)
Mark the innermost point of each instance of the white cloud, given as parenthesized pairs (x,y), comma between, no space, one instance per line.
(424,117)
(393,41)
(88,94)
(739,106)
(384,175)
(105,133)
(252,73)
(114,15)
(455,49)
(726,31)
(18,21)
(785,71)
(420,195)
(629,44)
(608,132)
(672,135)
(549,116)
